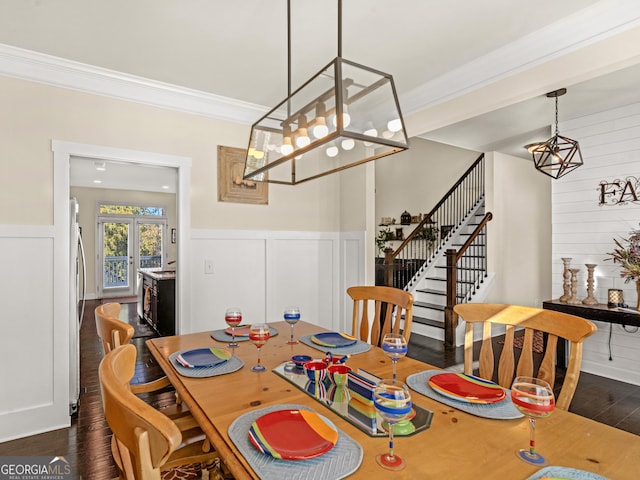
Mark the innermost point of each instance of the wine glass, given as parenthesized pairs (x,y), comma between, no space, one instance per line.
(291,316)
(393,402)
(395,346)
(534,398)
(233,317)
(259,334)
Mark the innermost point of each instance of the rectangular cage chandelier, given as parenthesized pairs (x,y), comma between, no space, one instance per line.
(345,115)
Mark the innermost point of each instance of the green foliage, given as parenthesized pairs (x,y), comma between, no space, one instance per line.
(383,237)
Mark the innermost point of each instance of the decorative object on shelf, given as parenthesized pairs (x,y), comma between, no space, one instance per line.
(566,279)
(615,298)
(590,299)
(405,218)
(399,234)
(428,233)
(385,221)
(385,235)
(231,186)
(345,115)
(627,254)
(573,299)
(559,155)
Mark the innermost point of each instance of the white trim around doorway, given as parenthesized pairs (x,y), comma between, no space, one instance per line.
(62,153)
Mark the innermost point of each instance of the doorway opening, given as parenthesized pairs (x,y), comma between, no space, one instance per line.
(130,237)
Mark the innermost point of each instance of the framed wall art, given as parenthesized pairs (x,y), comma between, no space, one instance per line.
(231,186)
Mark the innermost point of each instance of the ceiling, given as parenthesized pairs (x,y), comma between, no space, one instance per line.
(471,74)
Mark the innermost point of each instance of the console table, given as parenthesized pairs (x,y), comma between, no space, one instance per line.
(600,313)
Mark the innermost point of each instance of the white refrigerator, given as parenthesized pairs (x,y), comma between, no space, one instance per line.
(76,304)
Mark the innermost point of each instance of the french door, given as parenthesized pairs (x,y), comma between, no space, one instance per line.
(124,245)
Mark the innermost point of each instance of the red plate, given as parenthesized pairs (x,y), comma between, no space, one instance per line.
(293,434)
(467,388)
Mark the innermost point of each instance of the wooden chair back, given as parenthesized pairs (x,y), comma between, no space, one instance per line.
(398,310)
(554,324)
(112,331)
(145,441)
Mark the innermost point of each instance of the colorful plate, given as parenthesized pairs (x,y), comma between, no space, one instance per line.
(293,434)
(203,357)
(333,339)
(467,388)
(241,330)
(564,473)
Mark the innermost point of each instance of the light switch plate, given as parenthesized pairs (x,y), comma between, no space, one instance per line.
(208,267)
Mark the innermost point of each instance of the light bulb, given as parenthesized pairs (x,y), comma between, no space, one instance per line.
(394,125)
(348,143)
(320,130)
(346,118)
(332,151)
(286,148)
(387,134)
(372,132)
(258,154)
(302,137)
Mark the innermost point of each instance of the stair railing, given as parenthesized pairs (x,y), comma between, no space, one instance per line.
(436,227)
(471,261)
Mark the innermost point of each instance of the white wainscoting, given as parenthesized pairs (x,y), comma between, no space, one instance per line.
(34,351)
(584,230)
(263,272)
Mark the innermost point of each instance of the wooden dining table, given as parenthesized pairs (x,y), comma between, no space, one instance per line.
(457,445)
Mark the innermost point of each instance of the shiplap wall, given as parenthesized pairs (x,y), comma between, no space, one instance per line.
(584,230)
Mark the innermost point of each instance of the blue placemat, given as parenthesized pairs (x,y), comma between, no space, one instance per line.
(232,365)
(342,460)
(503,410)
(222,336)
(564,472)
(358,347)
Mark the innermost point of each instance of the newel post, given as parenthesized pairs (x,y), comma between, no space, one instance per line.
(450,317)
(388,267)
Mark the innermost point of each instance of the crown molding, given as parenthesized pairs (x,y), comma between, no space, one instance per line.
(584,28)
(59,72)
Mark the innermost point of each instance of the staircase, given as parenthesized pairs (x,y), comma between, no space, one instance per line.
(430,287)
(442,262)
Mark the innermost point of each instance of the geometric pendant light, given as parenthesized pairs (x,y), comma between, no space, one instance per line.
(345,115)
(559,155)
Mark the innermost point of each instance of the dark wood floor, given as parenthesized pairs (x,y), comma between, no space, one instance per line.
(86,444)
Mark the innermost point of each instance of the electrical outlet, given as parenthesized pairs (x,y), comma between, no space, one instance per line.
(208,267)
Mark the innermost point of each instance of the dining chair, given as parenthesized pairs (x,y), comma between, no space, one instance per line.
(113,332)
(555,325)
(392,309)
(145,442)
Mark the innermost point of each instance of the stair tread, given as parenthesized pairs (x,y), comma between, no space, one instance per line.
(433,306)
(428,321)
(431,290)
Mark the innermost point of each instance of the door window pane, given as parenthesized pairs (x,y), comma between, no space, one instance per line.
(115,254)
(150,245)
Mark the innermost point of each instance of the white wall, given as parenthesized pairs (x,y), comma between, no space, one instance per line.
(584,230)
(33,115)
(519,236)
(416,179)
(263,272)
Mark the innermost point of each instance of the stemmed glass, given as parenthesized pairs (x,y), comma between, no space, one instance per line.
(291,316)
(395,346)
(259,334)
(393,402)
(233,317)
(534,398)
